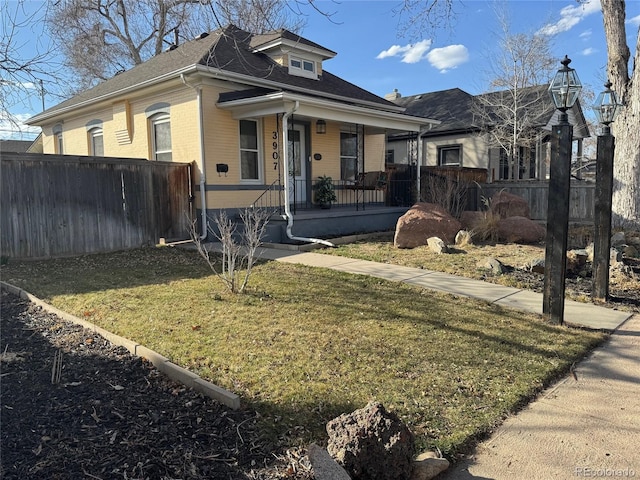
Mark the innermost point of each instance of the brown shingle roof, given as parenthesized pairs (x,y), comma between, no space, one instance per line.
(228,50)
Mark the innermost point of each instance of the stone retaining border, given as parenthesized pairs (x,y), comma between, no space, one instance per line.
(163,364)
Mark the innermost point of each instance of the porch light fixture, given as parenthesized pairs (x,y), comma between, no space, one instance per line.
(321,127)
(565,87)
(607,106)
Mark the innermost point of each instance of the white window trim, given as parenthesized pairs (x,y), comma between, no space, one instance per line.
(301,71)
(159,118)
(258,150)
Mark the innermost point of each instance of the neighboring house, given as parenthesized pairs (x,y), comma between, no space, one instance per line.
(255,113)
(461,139)
(15,146)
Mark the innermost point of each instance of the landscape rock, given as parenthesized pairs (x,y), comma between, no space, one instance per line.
(471,219)
(372,444)
(520,230)
(629,251)
(324,466)
(618,239)
(493,264)
(463,238)
(536,266)
(428,465)
(576,260)
(437,245)
(422,221)
(507,205)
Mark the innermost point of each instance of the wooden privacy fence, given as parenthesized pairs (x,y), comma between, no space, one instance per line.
(581,198)
(53,205)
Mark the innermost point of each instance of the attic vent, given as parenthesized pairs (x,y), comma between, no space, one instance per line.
(202,35)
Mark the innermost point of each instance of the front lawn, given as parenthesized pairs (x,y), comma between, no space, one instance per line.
(307,344)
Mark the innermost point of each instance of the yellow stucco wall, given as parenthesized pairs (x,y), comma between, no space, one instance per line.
(126,134)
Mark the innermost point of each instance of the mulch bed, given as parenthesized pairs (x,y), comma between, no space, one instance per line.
(111,415)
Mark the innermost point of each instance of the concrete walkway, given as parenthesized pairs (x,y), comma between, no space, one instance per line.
(586,425)
(576,313)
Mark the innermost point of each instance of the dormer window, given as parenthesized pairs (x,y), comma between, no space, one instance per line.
(302,67)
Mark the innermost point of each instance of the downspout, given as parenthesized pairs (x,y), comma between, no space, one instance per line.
(203,175)
(285,167)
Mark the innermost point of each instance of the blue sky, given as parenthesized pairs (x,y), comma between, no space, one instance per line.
(373,52)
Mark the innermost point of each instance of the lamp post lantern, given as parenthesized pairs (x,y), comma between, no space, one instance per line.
(564,91)
(606,108)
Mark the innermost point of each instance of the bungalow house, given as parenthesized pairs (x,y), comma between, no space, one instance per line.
(259,117)
(463,139)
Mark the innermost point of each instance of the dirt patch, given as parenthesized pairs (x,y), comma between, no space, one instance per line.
(112,415)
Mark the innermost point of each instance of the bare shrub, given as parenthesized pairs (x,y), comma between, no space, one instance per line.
(487,228)
(449,193)
(238,254)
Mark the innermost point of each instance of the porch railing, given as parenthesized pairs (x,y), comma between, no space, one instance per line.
(271,200)
(395,193)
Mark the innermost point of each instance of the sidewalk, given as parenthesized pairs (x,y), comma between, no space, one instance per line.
(576,313)
(584,426)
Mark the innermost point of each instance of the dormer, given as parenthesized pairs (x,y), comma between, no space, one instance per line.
(302,57)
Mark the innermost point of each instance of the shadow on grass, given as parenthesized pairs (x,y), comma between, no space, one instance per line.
(110,414)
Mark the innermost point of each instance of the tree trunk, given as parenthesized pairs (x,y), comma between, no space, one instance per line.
(626,128)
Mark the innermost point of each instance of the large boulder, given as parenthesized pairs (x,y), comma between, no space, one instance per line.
(505,205)
(372,444)
(470,219)
(520,230)
(422,221)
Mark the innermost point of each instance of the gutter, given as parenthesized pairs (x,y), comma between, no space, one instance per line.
(203,174)
(54,111)
(285,165)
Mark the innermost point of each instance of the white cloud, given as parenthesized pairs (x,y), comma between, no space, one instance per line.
(634,21)
(586,35)
(12,126)
(571,16)
(589,51)
(411,53)
(446,58)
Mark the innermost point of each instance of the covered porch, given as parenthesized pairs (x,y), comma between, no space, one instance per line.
(323,140)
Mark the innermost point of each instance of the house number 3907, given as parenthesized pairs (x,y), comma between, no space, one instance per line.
(274,155)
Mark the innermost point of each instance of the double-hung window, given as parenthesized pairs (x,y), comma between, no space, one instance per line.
(249,151)
(450,156)
(96,142)
(160,125)
(57,138)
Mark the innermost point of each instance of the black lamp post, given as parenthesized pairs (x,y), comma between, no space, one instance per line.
(606,108)
(564,91)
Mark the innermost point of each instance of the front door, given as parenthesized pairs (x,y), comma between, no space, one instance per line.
(297,151)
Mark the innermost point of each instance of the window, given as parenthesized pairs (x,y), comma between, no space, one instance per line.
(450,155)
(348,155)
(160,137)
(249,153)
(96,142)
(58,146)
(302,67)
(503,172)
(389,156)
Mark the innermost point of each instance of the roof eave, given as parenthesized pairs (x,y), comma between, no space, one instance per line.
(42,117)
(260,82)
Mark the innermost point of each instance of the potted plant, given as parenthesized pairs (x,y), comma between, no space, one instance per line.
(324,192)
